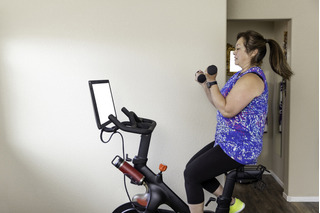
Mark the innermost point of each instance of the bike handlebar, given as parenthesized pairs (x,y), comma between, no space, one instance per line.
(135,124)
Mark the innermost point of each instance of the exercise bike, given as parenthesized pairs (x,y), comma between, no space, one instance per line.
(157,192)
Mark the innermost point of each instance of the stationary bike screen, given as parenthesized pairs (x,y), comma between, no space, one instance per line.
(102,100)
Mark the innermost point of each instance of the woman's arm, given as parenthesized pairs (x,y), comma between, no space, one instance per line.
(208,93)
(243,92)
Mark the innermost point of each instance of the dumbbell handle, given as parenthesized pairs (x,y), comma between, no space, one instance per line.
(212,69)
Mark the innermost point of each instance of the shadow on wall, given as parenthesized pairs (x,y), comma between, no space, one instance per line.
(30,186)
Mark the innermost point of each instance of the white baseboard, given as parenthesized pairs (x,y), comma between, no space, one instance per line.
(279,181)
(292,198)
(300,199)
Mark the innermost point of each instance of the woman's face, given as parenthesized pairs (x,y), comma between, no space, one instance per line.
(242,58)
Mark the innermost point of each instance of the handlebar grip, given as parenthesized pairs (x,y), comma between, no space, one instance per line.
(130,116)
(115,121)
(109,129)
(147,126)
(134,119)
(125,126)
(125,111)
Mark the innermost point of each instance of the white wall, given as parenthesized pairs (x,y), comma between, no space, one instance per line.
(303,149)
(51,157)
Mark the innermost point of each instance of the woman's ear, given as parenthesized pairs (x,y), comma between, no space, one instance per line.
(254,53)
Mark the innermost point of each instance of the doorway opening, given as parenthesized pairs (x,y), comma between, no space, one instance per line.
(275,141)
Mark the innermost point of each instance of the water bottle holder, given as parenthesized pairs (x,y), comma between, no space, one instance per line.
(133,174)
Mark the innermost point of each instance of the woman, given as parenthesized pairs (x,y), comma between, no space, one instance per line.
(241,114)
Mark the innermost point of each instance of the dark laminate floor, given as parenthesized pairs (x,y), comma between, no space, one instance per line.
(270,199)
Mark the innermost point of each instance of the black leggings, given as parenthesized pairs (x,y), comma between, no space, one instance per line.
(202,170)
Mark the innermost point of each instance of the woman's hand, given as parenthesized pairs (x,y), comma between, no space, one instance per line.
(199,72)
(209,77)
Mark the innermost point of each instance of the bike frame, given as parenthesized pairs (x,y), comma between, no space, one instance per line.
(160,193)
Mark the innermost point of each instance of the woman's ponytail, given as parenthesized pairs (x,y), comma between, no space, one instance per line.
(278,61)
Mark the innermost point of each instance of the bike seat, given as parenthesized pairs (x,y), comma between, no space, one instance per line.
(247,174)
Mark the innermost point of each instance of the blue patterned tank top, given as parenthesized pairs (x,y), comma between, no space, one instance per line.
(240,137)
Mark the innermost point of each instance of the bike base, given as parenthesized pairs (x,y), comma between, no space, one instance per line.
(128,208)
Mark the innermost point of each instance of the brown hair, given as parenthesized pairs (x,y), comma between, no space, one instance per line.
(278,62)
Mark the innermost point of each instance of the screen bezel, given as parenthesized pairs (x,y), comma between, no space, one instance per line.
(94,102)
